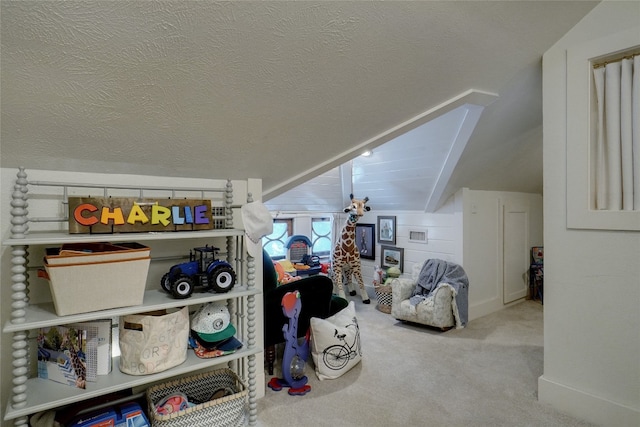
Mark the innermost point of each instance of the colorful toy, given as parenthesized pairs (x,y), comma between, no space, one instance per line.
(295,355)
(346,256)
(299,253)
(124,415)
(202,269)
(172,403)
(283,276)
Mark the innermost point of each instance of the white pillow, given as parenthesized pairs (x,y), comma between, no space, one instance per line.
(335,343)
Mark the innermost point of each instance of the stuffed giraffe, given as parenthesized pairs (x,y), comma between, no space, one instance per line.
(346,256)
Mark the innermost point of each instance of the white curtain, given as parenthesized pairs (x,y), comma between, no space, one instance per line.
(618,135)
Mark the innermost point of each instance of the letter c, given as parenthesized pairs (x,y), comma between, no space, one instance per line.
(80,218)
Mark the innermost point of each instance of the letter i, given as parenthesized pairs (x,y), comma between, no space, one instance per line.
(188,216)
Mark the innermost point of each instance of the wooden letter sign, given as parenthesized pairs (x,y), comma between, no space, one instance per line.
(131,214)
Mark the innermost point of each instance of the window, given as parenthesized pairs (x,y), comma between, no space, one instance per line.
(321,236)
(275,242)
(582,209)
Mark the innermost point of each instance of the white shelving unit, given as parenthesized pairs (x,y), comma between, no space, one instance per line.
(31,394)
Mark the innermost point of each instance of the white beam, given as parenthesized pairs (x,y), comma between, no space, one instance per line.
(460,142)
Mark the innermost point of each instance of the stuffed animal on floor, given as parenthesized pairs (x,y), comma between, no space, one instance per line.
(346,255)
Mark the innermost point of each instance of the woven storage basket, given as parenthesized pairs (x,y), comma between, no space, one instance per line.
(227,411)
(384,296)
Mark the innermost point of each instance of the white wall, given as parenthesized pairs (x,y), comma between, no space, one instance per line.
(466,231)
(592,277)
(444,237)
(483,244)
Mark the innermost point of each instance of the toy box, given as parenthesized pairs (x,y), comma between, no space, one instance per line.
(91,253)
(125,415)
(93,276)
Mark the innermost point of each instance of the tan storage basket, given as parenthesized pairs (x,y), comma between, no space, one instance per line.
(101,280)
(84,288)
(227,411)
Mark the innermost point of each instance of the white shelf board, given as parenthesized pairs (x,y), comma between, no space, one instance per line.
(45,394)
(44,315)
(57,238)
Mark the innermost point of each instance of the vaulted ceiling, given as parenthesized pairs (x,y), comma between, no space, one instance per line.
(446,93)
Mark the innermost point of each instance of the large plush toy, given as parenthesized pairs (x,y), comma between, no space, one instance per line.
(346,256)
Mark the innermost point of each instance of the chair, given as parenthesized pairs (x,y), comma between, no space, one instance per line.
(316,295)
(440,309)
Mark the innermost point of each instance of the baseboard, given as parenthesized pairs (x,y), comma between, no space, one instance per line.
(587,407)
(482,308)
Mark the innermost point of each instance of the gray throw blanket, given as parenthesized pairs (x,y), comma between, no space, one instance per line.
(436,271)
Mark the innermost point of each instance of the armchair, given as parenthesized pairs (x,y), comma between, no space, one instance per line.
(440,309)
(316,295)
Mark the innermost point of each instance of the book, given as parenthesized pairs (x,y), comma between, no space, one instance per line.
(98,354)
(62,355)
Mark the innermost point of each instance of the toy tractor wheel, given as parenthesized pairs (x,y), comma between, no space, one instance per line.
(182,287)
(165,282)
(222,279)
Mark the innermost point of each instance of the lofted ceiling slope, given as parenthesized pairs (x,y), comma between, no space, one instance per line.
(281,91)
(409,172)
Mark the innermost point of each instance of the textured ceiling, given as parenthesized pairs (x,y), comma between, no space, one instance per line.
(281,91)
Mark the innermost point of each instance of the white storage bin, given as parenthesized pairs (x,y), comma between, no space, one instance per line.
(82,283)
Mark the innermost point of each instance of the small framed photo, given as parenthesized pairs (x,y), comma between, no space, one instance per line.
(366,240)
(392,257)
(387,230)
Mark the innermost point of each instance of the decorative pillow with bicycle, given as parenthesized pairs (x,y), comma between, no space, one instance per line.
(335,343)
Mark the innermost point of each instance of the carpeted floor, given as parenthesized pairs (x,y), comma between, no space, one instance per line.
(410,375)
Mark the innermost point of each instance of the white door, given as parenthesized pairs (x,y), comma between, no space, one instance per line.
(515,256)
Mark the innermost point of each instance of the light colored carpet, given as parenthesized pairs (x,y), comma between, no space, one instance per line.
(410,375)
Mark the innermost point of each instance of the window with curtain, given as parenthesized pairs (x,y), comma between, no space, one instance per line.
(603,132)
(617,128)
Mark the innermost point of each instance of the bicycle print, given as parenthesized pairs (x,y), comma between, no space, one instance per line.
(337,356)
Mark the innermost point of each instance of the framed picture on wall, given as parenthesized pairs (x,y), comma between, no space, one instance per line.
(366,240)
(387,230)
(392,257)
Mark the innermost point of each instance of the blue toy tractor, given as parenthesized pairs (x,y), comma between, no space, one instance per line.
(203,269)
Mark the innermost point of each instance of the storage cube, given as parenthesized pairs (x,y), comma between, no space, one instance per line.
(83,282)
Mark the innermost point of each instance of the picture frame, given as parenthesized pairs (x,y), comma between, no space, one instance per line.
(391,256)
(366,240)
(387,230)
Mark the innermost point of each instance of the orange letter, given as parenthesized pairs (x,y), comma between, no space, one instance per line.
(82,220)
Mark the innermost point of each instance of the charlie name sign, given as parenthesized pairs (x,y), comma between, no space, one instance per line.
(132,214)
